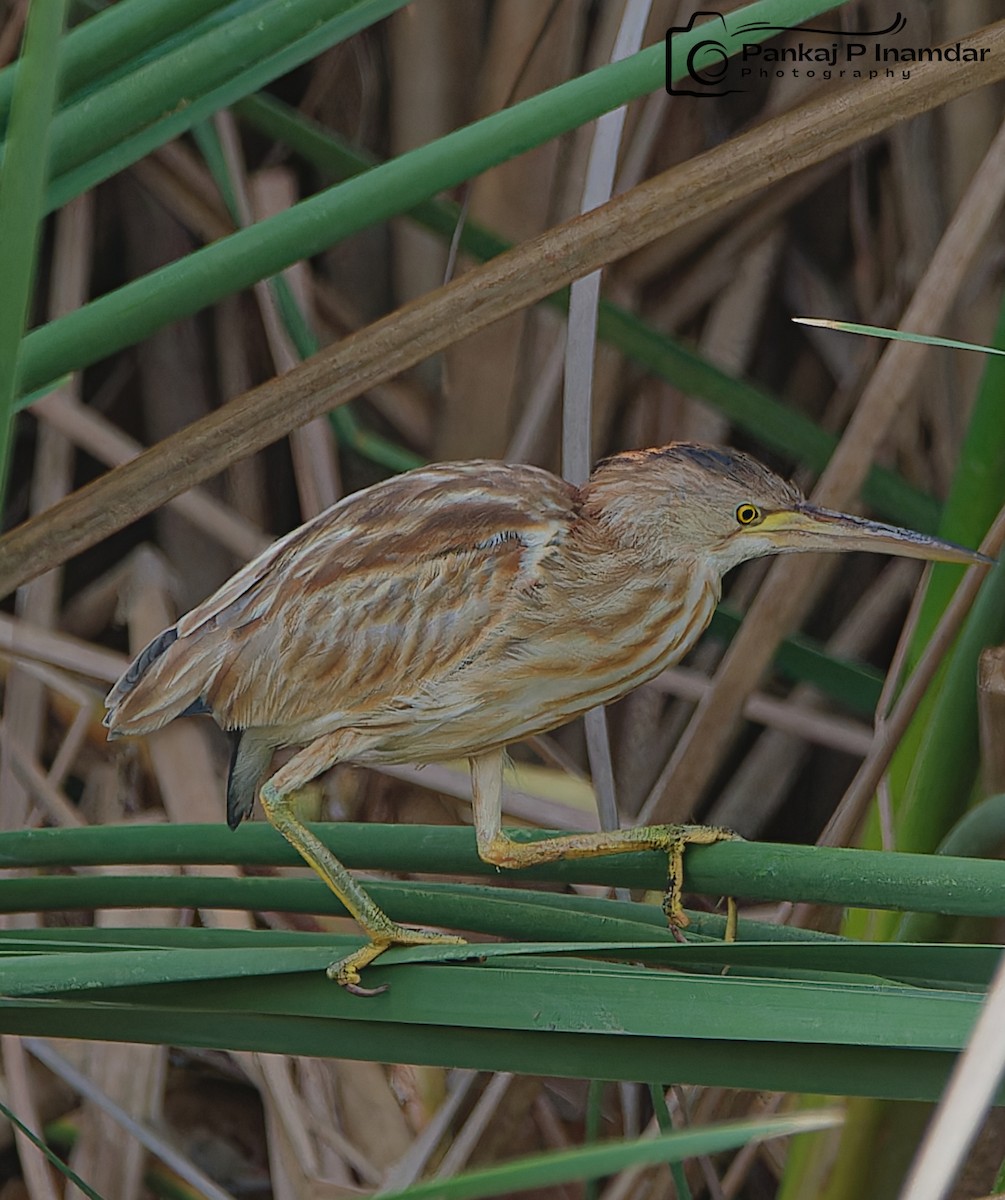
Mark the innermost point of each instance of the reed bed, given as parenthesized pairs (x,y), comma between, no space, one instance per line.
(259,254)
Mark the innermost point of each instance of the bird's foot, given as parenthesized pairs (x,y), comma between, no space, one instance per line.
(678,837)
(345,971)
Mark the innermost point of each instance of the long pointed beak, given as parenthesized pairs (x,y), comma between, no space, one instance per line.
(807,527)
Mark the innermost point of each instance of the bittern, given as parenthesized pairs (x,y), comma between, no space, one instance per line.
(458,608)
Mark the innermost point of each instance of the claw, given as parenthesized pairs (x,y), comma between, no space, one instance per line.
(345,971)
(358,990)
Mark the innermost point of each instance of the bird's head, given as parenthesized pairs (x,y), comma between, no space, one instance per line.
(723,507)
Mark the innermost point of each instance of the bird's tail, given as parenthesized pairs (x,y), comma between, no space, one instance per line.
(161,683)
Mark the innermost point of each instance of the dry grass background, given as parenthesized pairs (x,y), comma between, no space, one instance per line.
(853,237)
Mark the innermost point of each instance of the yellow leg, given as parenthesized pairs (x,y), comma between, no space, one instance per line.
(278,801)
(495,847)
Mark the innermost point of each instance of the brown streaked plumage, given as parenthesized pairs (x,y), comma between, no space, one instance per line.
(460,607)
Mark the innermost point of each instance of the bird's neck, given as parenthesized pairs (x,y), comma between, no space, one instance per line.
(617,570)
(613,523)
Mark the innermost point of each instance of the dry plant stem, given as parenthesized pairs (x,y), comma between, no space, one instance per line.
(991,708)
(166,175)
(731,228)
(736,1174)
(638,150)
(552,754)
(553,1136)
(526,442)
(315,462)
(732,329)
(24,704)
(320,1083)
(38,1175)
(796,719)
(688,1119)
(626,1183)
(533,270)
(106,442)
(770,768)
(968,1095)
(10,33)
(577,456)
(410,1167)
(57,808)
(79,698)
(132,1077)
(191,790)
(696,286)
(20,639)
(580,354)
(292,1151)
(528,49)
(782,600)
(465,1142)
(180,756)
(140,1130)
(269,192)
(70,746)
(895,673)
(598,754)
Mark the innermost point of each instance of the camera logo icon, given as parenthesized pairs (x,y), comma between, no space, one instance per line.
(708,70)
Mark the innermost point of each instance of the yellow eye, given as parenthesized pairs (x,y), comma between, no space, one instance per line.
(748,514)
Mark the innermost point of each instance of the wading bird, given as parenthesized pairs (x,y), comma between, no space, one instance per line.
(457,608)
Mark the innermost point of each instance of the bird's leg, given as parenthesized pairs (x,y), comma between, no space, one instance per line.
(495,847)
(278,797)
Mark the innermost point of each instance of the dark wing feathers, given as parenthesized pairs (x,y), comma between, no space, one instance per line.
(135,672)
(138,667)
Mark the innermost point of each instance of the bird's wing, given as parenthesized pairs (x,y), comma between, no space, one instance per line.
(367,604)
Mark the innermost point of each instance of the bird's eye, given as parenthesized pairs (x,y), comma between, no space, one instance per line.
(748,514)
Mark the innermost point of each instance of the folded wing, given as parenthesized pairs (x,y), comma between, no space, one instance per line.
(372,604)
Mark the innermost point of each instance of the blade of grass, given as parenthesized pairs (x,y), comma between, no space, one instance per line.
(517,992)
(932,773)
(22,182)
(837,1070)
(63,1168)
(665,1122)
(895,335)
(943,966)
(122,31)
(244,258)
(854,684)
(914,882)
(118,124)
(591,1162)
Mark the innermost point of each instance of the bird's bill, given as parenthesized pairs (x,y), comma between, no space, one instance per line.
(810,528)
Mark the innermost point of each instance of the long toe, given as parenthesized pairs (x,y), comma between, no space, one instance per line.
(424,937)
(345,971)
